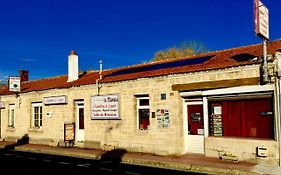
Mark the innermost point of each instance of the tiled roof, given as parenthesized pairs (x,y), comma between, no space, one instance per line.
(207,61)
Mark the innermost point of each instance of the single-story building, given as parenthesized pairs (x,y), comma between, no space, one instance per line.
(212,103)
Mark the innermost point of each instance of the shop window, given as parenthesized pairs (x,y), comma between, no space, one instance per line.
(36,115)
(11,118)
(242,118)
(143,112)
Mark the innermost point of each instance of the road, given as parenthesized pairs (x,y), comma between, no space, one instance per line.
(16,162)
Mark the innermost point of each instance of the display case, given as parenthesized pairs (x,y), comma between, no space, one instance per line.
(216,128)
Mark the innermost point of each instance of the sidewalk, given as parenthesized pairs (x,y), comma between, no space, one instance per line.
(187,162)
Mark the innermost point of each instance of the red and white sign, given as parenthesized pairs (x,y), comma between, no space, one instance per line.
(261,15)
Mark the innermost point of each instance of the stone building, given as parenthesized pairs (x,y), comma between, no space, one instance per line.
(212,103)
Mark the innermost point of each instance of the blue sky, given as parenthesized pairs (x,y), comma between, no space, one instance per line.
(38,35)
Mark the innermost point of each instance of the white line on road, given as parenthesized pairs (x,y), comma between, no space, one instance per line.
(32,158)
(64,163)
(106,169)
(46,160)
(106,162)
(86,165)
(131,173)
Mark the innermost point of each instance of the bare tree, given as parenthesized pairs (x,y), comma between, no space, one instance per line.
(185,49)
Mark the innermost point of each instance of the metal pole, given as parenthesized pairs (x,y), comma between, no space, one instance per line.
(278,83)
(264,65)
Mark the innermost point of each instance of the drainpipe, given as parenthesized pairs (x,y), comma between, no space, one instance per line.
(278,84)
(264,64)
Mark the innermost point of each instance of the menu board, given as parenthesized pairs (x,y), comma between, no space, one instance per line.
(216,121)
(163,118)
(217,125)
(69,131)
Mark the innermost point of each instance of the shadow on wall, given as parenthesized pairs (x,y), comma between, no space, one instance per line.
(114,157)
(22,141)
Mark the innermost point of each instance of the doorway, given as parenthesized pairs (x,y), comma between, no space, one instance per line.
(195,121)
(79,120)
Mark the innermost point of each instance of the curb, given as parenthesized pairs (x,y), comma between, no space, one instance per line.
(186,167)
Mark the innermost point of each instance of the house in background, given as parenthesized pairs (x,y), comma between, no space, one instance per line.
(212,103)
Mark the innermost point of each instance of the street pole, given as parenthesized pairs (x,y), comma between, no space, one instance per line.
(264,65)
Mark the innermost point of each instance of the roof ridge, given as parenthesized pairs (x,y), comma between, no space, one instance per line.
(46,78)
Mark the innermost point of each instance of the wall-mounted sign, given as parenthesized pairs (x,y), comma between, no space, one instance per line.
(261,14)
(163,118)
(2,105)
(14,84)
(55,100)
(105,107)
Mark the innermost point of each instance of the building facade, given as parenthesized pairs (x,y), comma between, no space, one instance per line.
(212,104)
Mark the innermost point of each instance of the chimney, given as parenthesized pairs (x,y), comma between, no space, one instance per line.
(72,66)
(23,75)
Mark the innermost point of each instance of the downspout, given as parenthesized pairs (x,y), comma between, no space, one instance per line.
(278,84)
(264,64)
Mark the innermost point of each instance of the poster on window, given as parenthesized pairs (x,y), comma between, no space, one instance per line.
(105,107)
(163,118)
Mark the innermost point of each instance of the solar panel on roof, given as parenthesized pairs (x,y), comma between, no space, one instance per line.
(178,63)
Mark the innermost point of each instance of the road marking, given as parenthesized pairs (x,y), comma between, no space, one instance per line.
(10,154)
(106,162)
(32,158)
(86,165)
(46,160)
(107,169)
(18,156)
(64,163)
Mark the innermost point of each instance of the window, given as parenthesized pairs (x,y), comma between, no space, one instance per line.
(143,112)
(11,118)
(242,118)
(36,115)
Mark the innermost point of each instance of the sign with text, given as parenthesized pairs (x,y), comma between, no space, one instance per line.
(261,14)
(105,107)
(54,100)
(14,84)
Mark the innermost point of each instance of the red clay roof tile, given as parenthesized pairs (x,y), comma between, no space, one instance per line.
(214,60)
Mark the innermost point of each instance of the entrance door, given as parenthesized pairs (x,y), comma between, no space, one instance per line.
(79,120)
(195,120)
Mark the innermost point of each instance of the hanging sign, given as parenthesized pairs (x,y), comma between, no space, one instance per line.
(105,107)
(14,84)
(261,15)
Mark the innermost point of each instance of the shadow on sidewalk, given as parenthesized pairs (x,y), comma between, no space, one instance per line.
(113,155)
(22,141)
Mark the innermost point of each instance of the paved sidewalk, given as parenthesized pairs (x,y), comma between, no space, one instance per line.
(187,162)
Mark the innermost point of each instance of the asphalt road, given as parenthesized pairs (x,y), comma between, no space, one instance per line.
(15,162)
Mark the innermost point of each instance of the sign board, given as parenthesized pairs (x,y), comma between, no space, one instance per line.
(69,131)
(2,105)
(261,15)
(163,118)
(55,100)
(14,84)
(105,107)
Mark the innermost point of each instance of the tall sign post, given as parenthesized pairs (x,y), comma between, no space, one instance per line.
(261,15)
